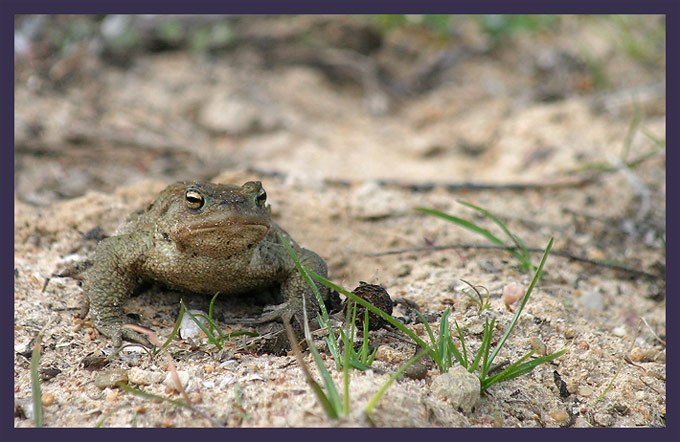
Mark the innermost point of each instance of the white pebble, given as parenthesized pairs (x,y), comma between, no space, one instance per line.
(619,331)
(512,292)
(188,328)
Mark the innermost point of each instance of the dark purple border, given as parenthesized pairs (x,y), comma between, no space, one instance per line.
(10,7)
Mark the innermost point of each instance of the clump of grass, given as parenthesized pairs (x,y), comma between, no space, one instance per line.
(361,359)
(443,350)
(481,302)
(519,250)
(447,351)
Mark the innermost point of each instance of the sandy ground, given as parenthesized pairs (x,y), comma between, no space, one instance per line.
(341,156)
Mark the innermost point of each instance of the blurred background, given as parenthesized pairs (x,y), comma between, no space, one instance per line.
(107,100)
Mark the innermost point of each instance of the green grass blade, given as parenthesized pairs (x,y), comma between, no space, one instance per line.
(456,353)
(442,344)
(385,386)
(479,300)
(464,360)
(211,308)
(332,392)
(488,334)
(489,215)
(329,408)
(537,276)
(463,223)
(147,395)
(427,327)
(516,369)
(526,256)
(348,349)
(359,365)
(305,275)
(371,358)
(35,383)
(175,330)
(152,396)
(632,128)
(213,326)
(483,350)
(520,245)
(473,227)
(364,343)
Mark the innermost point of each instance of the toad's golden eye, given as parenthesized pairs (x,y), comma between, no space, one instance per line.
(261,197)
(194,199)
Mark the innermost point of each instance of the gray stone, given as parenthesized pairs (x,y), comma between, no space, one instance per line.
(459,387)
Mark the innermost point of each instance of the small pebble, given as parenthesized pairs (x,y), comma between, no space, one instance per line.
(619,331)
(603,419)
(133,349)
(47,399)
(386,353)
(569,333)
(512,293)
(572,387)
(139,409)
(112,397)
(585,391)
(418,370)
(144,377)
(109,378)
(642,355)
(539,345)
(188,327)
(559,415)
(582,345)
(640,395)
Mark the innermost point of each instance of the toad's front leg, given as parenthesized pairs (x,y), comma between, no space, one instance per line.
(108,285)
(294,287)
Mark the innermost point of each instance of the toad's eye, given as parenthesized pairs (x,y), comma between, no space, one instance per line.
(194,199)
(261,197)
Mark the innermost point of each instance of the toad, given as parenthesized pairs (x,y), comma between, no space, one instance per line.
(199,238)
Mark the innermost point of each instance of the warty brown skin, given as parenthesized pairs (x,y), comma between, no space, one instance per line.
(200,238)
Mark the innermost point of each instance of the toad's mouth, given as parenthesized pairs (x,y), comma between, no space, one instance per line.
(209,227)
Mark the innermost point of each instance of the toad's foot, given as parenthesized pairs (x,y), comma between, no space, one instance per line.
(280,313)
(117,331)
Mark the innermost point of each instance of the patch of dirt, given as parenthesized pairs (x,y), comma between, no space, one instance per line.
(351,128)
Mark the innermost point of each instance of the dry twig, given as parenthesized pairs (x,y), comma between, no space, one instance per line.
(560,253)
